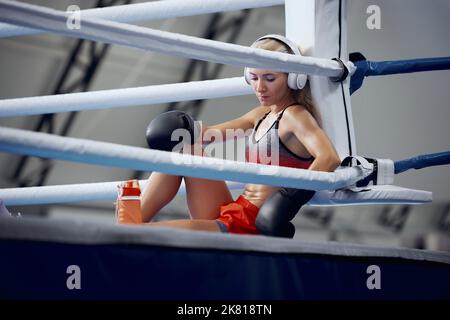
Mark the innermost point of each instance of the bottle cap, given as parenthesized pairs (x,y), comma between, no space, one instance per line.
(131,188)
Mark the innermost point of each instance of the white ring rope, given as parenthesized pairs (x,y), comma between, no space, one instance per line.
(72,193)
(107,191)
(155,10)
(105,99)
(109,154)
(166,42)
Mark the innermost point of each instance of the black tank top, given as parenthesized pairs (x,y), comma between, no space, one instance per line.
(264,151)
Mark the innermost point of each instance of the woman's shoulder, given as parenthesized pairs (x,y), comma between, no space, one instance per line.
(295,110)
(297,114)
(260,110)
(257,113)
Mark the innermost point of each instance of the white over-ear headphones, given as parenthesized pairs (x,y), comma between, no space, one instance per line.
(295,81)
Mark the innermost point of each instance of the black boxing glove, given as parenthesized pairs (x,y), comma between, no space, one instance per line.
(161,133)
(279,209)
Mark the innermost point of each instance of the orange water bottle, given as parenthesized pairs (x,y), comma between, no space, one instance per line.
(128,205)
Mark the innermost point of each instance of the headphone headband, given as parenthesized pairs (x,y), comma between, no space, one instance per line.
(295,81)
(291,45)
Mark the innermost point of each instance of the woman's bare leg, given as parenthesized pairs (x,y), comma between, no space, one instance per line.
(204,197)
(160,190)
(198,225)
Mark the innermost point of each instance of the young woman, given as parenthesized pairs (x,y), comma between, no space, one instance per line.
(284,122)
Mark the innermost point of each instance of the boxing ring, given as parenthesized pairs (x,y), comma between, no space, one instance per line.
(119,262)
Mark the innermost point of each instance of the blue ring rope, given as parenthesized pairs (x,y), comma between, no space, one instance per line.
(366,68)
(422,161)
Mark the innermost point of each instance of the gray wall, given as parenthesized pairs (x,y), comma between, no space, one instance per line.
(401,116)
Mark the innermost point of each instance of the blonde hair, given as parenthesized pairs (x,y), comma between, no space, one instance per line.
(303,96)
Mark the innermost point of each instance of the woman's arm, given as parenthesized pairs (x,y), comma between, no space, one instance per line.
(306,129)
(245,122)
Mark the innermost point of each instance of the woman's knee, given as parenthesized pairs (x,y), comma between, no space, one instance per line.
(205,197)
(161,188)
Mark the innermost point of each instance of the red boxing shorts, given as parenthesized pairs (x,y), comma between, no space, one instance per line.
(239,216)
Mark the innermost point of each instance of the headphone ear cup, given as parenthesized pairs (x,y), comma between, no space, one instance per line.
(301,80)
(297,81)
(292,81)
(246,76)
